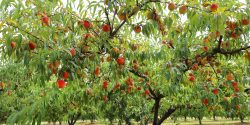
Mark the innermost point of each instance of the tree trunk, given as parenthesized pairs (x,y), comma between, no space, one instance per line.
(200,123)
(168,113)
(241,119)
(92,121)
(145,122)
(120,122)
(185,118)
(111,122)
(214,115)
(127,121)
(232,118)
(156,110)
(73,120)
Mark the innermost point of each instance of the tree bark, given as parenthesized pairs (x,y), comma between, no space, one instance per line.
(200,123)
(127,121)
(241,119)
(168,113)
(156,110)
(92,121)
(73,120)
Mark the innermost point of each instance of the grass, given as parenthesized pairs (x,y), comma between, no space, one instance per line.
(220,121)
(207,122)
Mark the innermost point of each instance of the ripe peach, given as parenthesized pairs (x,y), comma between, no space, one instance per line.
(214,7)
(13,44)
(57,63)
(129,81)
(120,61)
(122,16)
(191,78)
(137,29)
(244,21)
(171,6)
(183,9)
(234,35)
(86,24)
(231,25)
(206,40)
(72,52)
(115,50)
(237,107)
(205,48)
(217,33)
(230,77)
(215,91)
(106,28)
(105,84)
(97,71)
(205,101)
(61,83)
(105,98)
(109,58)
(195,66)
(32,45)
(65,75)
(147,92)
(45,20)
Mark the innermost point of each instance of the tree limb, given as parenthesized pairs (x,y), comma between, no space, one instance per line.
(219,50)
(107,16)
(124,21)
(219,43)
(156,110)
(138,74)
(232,52)
(144,77)
(169,112)
(27,32)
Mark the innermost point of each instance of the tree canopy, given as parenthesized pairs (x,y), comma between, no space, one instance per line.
(134,59)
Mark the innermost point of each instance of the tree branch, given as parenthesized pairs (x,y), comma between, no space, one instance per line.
(169,112)
(214,71)
(27,32)
(117,29)
(138,74)
(232,52)
(219,50)
(107,16)
(144,77)
(124,21)
(219,43)
(113,21)
(156,110)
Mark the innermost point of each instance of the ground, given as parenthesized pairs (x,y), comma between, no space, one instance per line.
(179,122)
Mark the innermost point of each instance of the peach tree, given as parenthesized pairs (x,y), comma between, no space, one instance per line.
(136,59)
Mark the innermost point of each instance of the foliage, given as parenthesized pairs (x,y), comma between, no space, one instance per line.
(139,60)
